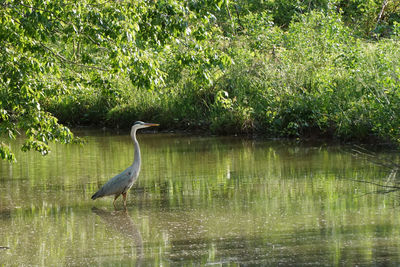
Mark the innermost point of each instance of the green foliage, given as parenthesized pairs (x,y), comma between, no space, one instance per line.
(283,68)
(372,17)
(316,78)
(68,57)
(228,116)
(322,80)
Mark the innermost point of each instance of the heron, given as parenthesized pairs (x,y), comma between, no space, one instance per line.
(121,183)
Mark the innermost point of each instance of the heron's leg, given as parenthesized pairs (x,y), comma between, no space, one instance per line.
(124,196)
(115,198)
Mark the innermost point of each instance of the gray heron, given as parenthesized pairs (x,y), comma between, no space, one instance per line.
(121,183)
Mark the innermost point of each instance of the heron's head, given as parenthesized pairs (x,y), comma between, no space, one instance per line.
(140,124)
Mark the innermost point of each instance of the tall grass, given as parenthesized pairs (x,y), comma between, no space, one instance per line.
(315,78)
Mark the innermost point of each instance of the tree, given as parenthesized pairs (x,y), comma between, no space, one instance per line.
(47,46)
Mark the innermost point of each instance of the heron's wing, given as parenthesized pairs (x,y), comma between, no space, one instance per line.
(115,185)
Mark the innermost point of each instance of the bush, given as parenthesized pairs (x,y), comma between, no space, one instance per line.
(315,78)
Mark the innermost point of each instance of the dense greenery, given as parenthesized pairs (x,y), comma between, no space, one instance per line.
(280,68)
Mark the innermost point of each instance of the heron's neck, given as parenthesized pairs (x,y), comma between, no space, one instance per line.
(136,161)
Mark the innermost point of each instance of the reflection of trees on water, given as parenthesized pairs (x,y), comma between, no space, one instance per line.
(392,181)
(121,222)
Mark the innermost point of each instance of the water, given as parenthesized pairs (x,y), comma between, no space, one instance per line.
(198,201)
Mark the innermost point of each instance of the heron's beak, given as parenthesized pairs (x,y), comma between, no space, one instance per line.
(151,124)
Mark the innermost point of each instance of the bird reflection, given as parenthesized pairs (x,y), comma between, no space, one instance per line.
(121,222)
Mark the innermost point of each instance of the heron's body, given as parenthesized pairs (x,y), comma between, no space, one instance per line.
(121,183)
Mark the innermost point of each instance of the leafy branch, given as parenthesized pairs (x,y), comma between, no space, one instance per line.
(63,60)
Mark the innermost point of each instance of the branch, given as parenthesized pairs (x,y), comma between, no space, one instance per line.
(40,9)
(388,163)
(381,185)
(384,4)
(92,40)
(66,61)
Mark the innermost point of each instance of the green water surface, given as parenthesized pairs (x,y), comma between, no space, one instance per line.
(198,201)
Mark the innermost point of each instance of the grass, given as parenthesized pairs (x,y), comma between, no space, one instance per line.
(315,78)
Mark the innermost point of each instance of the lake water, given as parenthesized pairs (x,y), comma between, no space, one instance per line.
(198,201)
